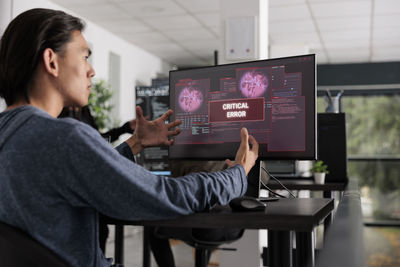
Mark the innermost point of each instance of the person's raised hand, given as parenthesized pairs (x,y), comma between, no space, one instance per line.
(246,155)
(132,123)
(152,133)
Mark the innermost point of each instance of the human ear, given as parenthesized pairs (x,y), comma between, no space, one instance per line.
(50,62)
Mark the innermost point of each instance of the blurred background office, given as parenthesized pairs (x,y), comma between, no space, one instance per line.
(357,43)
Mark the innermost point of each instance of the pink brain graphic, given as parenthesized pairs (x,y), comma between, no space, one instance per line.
(190,99)
(253,84)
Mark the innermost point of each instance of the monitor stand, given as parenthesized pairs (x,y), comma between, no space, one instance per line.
(253,178)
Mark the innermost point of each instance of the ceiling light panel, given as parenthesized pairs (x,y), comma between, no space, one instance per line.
(127,26)
(152,9)
(390,53)
(148,38)
(181,54)
(102,12)
(209,19)
(344,24)
(386,36)
(273,3)
(173,22)
(387,21)
(359,43)
(287,13)
(196,6)
(341,9)
(346,35)
(331,1)
(74,3)
(347,55)
(216,31)
(189,34)
(294,26)
(311,39)
(203,45)
(164,48)
(384,7)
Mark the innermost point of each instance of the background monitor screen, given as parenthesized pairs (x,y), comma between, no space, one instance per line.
(274,99)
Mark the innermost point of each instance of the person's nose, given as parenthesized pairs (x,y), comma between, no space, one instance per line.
(91,72)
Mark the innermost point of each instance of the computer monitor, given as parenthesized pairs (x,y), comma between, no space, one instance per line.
(274,99)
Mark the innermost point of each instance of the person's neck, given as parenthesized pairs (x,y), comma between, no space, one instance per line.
(50,108)
(43,94)
(46,100)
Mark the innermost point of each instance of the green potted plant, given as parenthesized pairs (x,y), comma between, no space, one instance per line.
(99,104)
(320,170)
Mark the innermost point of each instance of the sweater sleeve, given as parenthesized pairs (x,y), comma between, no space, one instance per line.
(125,151)
(98,177)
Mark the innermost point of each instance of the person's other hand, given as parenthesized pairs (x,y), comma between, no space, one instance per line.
(245,155)
(132,124)
(156,132)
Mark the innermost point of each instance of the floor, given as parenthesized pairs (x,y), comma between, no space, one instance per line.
(133,249)
(382,248)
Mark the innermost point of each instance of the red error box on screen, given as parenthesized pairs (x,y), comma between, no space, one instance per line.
(250,109)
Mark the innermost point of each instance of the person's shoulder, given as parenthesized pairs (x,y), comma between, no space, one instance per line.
(75,126)
(59,126)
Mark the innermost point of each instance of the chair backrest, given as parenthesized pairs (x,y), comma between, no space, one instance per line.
(332,147)
(213,238)
(18,249)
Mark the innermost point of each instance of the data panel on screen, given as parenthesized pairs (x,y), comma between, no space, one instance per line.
(274,99)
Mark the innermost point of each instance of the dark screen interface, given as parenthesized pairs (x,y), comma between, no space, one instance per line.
(274,99)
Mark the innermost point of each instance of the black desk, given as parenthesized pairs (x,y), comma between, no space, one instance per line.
(307,184)
(300,183)
(280,218)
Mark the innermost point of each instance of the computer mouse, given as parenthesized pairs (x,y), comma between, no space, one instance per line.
(246,204)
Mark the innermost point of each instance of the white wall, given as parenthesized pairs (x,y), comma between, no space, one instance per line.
(137,65)
(2,104)
(5,14)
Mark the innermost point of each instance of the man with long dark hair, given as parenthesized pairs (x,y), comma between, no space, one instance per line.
(57,175)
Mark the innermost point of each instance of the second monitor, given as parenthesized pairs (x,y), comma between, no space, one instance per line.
(274,99)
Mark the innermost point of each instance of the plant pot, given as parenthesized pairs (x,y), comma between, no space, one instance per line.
(319,177)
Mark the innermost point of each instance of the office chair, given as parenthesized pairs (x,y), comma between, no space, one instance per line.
(204,241)
(18,249)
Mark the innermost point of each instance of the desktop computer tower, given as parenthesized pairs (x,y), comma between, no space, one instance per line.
(332,145)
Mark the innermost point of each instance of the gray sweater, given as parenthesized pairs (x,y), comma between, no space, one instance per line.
(56,175)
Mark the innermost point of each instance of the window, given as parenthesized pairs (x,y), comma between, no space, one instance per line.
(373,149)
(373,125)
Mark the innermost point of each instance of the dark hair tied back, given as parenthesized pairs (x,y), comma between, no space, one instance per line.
(22,46)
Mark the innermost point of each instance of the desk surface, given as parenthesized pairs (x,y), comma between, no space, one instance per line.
(300,214)
(306,184)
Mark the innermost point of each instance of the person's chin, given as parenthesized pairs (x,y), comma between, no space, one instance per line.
(81,102)
(84,103)
(85,100)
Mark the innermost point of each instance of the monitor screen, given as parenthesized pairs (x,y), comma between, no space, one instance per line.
(274,99)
